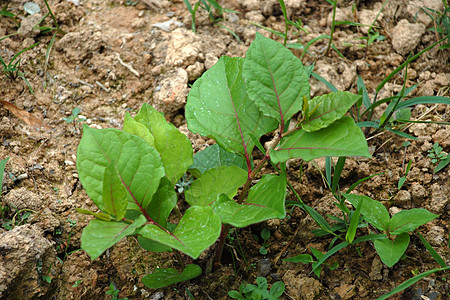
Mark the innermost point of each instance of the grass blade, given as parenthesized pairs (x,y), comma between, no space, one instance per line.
(326,82)
(410,282)
(433,252)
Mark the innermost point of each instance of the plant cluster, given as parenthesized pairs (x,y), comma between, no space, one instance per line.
(259,291)
(131,174)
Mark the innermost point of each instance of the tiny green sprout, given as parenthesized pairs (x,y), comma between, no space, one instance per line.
(77,283)
(114,293)
(75,116)
(259,291)
(265,234)
(436,153)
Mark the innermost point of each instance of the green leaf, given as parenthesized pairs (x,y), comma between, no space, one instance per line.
(331,107)
(373,211)
(442,164)
(114,193)
(410,282)
(433,252)
(173,146)
(390,251)
(151,245)
(132,126)
(342,138)
(218,106)
(198,229)
(163,202)
(2,169)
(164,277)
(277,289)
(216,181)
(301,258)
(408,220)
(351,231)
(265,201)
(98,215)
(100,235)
(137,163)
(275,79)
(423,100)
(212,157)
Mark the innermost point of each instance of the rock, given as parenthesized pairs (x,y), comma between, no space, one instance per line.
(195,71)
(25,256)
(418,192)
(402,198)
(414,9)
(27,26)
(263,267)
(341,76)
(442,137)
(184,48)
(172,92)
(435,235)
(302,287)
(344,14)
(439,198)
(77,46)
(345,291)
(375,271)
(406,36)
(367,17)
(22,198)
(255,16)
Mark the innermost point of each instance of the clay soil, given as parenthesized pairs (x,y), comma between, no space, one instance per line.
(115,55)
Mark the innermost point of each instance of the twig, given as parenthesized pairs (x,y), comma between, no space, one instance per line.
(85,83)
(102,86)
(129,67)
(287,246)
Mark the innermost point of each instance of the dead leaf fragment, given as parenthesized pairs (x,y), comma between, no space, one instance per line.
(25,116)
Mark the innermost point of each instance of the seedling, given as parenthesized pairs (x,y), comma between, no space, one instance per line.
(436,153)
(211,6)
(131,174)
(265,235)
(258,291)
(402,179)
(441,22)
(114,293)
(396,229)
(75,118)
(308,259)
(12,69)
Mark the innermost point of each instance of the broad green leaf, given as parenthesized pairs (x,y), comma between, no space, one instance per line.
(330,107)
(216,181)
(342,138)
(163,202)
(218,106)
(265,201)
(164,277)
(132,126)
(151,245)
(114,193)
(100,235)
(301,258)
(198,229)
(408,220)
(277,289)
(275,79)
(390,251)
(137,163)
(173,146)
(373,211)
(212,157)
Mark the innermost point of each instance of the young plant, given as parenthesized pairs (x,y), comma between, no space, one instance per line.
(114,293)
(75,118)
(396,229)
(436,153)
(131,174)
(441,22)
(12,69)
(209,6)
(265,235)
(258,291)
(308,259)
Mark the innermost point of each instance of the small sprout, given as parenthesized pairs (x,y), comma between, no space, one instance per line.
(436,153)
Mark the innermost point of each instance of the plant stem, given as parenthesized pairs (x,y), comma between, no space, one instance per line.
(219,251)
(333,24)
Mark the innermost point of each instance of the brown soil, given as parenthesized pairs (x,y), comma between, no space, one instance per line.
(112,58)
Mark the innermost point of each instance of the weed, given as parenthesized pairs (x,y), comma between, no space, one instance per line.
(308,259)
(212,7)
(12,69)
(265,235)
(137,168)
(75,118)
(114,293)
(436,154)
(402,179)
(441,22)
(258,291)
